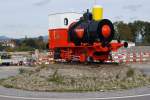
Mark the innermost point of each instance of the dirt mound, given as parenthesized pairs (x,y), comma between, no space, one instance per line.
(69,77)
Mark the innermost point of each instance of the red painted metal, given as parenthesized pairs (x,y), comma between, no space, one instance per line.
(79,32)
(58,38)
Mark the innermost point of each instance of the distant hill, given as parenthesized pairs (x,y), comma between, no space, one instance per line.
(45,38)
(4,38)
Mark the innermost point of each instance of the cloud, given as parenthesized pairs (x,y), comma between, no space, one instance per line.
(42,2)
(132,7)
(118,17)
(16,26)
(133,18)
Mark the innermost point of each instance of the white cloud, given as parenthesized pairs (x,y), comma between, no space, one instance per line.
(133,7)
(42,2)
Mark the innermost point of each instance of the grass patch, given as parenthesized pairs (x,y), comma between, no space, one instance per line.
(39,68)
(59,83)
(43,66)
(56,78)
(22,71)
(25,71)
(2,80)
(8,86)
(46,78)
(130,72)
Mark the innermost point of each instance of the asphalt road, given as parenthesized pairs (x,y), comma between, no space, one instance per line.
(14,94)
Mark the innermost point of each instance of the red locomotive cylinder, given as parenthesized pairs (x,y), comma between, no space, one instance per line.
(85,40)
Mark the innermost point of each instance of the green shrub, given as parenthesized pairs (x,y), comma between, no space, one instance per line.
(2,80)
(8,86)
(130,72)
(22,70)
(43,66)
(56,78)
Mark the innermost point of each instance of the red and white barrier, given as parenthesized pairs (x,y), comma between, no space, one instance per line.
(123,56)
(128,57)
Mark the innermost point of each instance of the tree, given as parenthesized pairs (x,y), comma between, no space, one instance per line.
(41,43)
(1,48)
(147,33)
(123,30)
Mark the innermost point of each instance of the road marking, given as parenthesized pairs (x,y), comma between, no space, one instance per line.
(123,97)
(107,98)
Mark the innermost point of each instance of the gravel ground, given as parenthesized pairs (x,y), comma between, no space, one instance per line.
(69,77)
(11,70)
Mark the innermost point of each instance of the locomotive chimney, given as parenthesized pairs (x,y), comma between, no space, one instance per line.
(97,12)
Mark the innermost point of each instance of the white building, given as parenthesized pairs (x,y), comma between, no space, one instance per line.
(63,20)
(8,43)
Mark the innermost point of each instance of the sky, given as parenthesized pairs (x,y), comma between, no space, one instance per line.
(20,18)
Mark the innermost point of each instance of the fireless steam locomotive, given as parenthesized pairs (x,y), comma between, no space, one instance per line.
(85,39)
